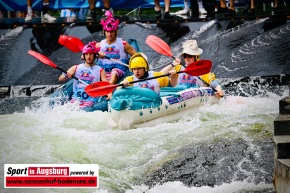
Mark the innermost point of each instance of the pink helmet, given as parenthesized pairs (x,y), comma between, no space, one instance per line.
(108,14)
(90,48)
(110,24)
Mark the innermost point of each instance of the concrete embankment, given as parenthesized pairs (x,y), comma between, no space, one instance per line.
(282,147)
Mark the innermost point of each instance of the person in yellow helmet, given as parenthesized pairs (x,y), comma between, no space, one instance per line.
(139,65)
(191,53)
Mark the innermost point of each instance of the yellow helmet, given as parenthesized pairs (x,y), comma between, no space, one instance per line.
(138,60)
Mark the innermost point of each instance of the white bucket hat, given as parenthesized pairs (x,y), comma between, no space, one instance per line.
(190,47)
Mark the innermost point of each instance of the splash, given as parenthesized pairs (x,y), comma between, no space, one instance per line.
(127,159)
(11,33)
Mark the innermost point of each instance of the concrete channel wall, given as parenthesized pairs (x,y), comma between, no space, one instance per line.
(282,147)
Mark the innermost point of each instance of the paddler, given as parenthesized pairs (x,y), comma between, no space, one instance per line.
(191,53)
(139,65)
(113,47)
(89,73)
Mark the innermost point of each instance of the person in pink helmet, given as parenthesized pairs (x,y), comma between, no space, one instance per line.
(89,73)
(115,48)
(108,14)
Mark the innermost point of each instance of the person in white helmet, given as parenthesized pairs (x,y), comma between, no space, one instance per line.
(191,53)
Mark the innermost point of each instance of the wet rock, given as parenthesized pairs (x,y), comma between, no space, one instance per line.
(217,163)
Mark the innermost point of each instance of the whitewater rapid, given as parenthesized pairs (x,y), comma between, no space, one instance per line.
(64,134)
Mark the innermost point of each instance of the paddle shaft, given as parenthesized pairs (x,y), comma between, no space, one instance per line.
(166,75)
(117,61)
(104,88)
(154,77)
(72,76)
(163,76)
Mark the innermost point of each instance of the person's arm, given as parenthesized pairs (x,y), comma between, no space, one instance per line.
(129,49)
(219,93)
(97,44)
(63,77)
(169,67)
(210,80)
(100,54)
(126,82)
(166,69)
(172,70)
(105,79)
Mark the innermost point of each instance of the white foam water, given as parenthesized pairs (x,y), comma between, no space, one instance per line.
(66,135)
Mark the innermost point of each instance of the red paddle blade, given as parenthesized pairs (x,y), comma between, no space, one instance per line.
(158,45)
(98,89)
(198,68)
(72,43)
(42,58)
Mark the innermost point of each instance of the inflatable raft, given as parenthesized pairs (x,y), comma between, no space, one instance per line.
(136,107)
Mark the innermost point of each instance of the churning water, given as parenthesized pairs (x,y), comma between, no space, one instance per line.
(223,148)
(226,147)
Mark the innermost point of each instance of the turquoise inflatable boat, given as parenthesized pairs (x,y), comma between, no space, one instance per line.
(136,107)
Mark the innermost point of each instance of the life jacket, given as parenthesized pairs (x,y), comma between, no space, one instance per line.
(116,51)
(153,84)
(88,75)
(206,78)
(186,79)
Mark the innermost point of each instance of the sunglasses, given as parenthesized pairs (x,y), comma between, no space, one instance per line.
(196,57)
